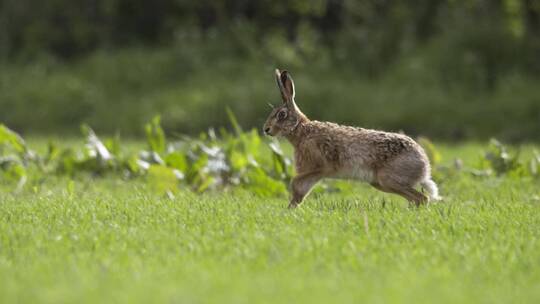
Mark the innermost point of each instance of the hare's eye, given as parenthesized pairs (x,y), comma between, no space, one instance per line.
(281,115)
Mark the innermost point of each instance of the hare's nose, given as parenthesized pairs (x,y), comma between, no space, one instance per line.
(267,131)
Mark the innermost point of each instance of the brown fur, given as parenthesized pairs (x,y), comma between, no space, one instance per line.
(390,162)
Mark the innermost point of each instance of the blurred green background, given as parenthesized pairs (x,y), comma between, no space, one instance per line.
(448,69)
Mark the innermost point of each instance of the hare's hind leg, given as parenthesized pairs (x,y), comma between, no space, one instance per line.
(408,192)
(418,198)
(391,183)
(301,185)
(377,186)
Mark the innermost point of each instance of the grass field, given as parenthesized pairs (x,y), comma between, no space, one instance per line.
(89,240)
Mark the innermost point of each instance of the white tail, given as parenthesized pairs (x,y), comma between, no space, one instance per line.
(432,189)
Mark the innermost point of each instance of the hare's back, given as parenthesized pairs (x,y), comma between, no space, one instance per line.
(388,145)
(374,148)
(357,152)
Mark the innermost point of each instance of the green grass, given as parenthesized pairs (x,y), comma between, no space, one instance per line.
(106,240)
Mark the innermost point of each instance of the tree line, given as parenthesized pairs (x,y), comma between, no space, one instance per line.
(68,28)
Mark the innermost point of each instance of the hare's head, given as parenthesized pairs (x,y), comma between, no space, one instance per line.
(284,118)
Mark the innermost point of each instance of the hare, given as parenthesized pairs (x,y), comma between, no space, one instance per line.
(390,162)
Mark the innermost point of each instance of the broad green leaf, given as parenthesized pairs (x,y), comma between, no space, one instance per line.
(12,169)
(162,179)
(155,135)
(263,185)
(176,160)
(12,139)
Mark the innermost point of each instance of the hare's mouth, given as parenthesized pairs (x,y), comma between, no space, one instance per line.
(268,131)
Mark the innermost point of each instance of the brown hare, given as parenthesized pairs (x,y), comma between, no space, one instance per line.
(390,162)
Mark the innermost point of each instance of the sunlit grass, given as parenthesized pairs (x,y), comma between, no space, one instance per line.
(90,240)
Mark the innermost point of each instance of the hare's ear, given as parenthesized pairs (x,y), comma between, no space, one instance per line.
(280,86)
(286,86)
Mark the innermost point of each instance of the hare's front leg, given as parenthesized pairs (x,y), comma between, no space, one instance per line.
(301,185)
